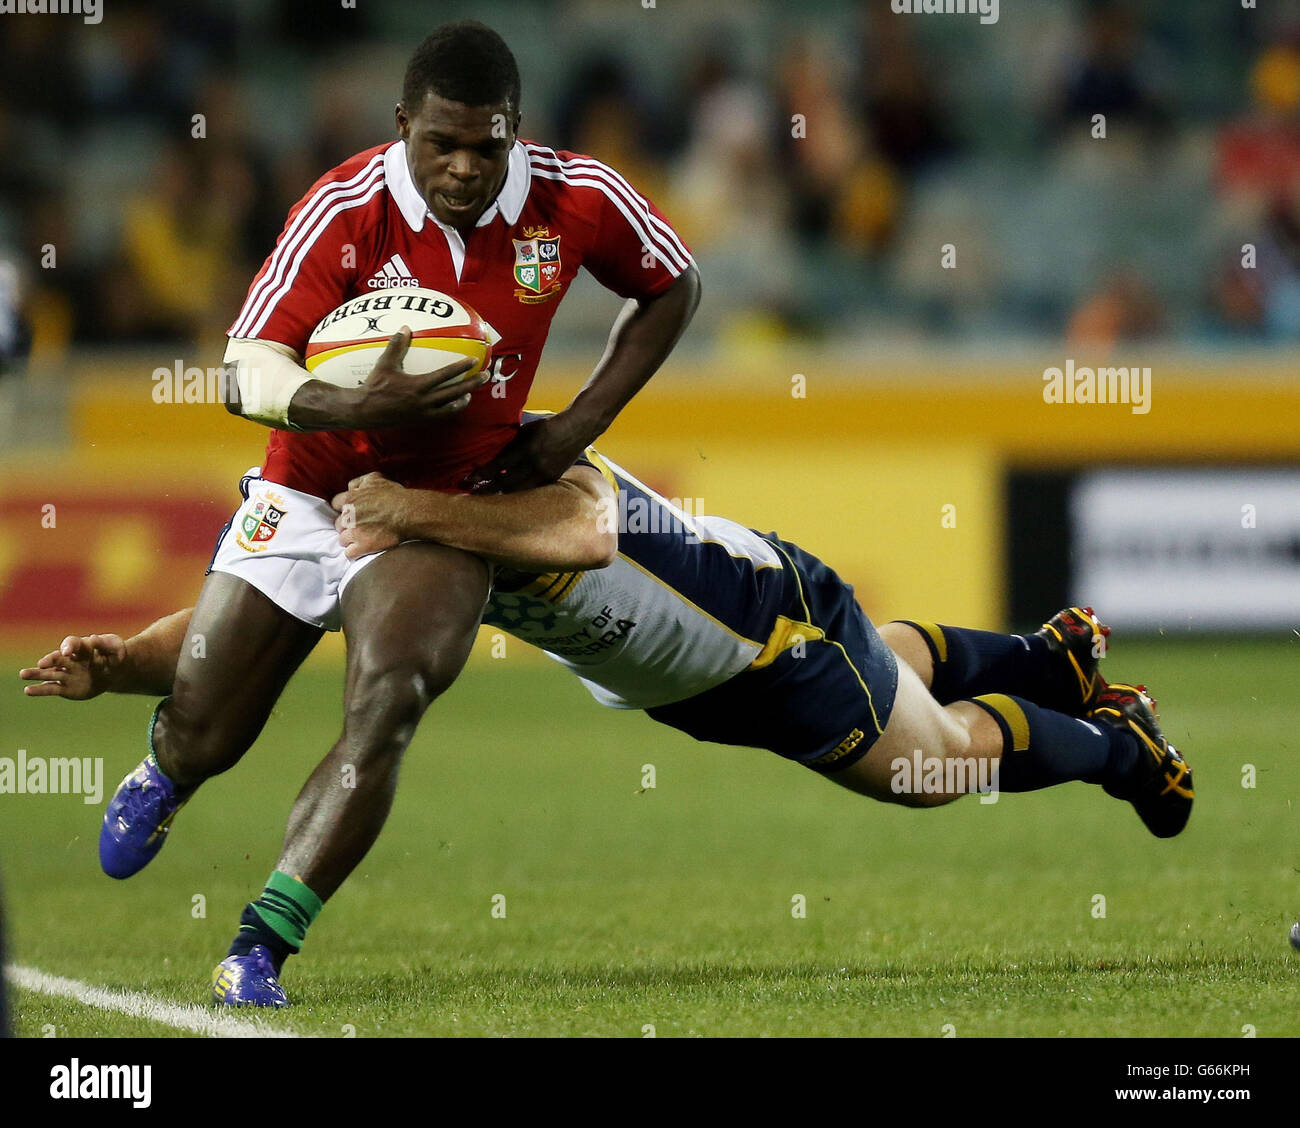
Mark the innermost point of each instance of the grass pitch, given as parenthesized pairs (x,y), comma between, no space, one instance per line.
(671,907)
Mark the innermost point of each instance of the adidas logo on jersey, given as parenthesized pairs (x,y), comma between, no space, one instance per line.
(395,273)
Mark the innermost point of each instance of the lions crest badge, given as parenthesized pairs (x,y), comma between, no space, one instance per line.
(537,264)
(260,522)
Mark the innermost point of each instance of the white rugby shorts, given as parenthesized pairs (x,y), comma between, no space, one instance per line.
(284,543)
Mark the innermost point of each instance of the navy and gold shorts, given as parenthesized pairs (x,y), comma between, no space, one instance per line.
(825,695)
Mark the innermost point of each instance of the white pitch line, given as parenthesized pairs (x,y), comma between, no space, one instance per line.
(137,1004)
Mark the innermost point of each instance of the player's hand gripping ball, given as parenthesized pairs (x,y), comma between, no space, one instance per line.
(345,346)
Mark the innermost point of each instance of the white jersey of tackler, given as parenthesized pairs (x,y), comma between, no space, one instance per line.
(690,601)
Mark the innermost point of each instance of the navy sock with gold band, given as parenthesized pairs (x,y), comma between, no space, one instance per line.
(1041,748)
(968,663)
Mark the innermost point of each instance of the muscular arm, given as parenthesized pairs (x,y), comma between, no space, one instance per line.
(569,525)
(151,655)
(267,384)
(643,335)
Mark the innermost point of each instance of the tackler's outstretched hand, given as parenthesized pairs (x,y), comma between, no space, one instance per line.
(83,667)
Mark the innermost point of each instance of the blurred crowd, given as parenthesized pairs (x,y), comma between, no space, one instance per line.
(818,165)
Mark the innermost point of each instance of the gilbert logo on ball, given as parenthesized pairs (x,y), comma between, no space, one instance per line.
(344,347)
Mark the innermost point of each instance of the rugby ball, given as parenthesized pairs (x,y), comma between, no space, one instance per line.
(344,347)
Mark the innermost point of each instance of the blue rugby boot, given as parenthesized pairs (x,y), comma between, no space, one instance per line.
(248,981)
(137,819)
(1160,788)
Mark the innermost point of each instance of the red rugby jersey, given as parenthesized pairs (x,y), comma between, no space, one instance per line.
(364,226)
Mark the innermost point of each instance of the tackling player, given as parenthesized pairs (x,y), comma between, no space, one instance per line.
(735,637)
(460,204)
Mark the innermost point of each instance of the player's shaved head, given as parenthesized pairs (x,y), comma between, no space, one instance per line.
(464,62)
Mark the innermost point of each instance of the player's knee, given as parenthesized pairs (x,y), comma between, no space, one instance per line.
(387,701)
(894,631)
(201,739)
(956,736)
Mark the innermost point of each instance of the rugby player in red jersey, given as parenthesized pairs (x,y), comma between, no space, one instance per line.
(460,204)
(740,637)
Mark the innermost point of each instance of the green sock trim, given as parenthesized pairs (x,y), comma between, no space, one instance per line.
(181,792)
(287,907)
(153,721)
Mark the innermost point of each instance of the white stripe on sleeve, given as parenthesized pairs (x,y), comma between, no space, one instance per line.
(304,225)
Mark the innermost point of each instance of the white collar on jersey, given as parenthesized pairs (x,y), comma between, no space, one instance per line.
(509,201)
